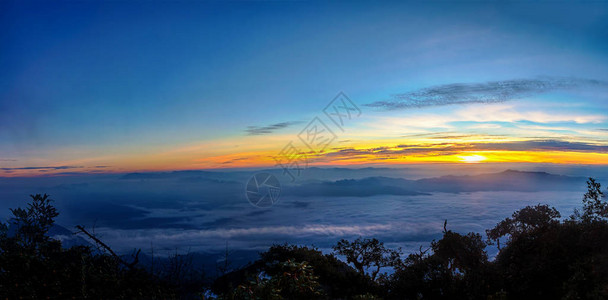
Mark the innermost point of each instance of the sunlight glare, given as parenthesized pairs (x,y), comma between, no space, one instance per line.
(473,158)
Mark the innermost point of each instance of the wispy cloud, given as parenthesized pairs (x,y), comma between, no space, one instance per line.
(486,118)
(486,92)
(42,168)
(234,160)
(543,145)
(260,130)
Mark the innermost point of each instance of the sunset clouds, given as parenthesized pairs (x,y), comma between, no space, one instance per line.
(482,93)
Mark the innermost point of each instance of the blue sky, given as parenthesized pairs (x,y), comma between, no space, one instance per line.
(100,82)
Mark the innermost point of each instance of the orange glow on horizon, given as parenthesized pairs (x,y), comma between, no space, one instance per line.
(265,160)
(252,153)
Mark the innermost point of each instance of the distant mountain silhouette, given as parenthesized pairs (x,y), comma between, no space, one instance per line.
(67,237)
(311,173)
(364,186)
(168,175)
(353,188)
(509,180)
(207,261)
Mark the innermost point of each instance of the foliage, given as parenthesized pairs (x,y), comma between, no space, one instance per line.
(34,222)
(524,221)
(455,268)
(367,253)
(336,279)
(568,260)
(35,266)
(293,281)
(594,208)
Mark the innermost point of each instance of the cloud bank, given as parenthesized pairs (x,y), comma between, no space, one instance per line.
(42,168)
(486,92)
(452,148)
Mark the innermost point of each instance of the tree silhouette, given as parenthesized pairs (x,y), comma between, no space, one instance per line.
(35,266)
(367,253)
(594,206)
(34,222)
(523,221)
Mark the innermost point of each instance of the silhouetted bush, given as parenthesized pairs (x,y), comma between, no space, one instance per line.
(336,278)
(34,266)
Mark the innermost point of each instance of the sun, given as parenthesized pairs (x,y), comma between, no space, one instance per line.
(473,158)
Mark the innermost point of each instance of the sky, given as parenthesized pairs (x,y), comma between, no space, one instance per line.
(109,87)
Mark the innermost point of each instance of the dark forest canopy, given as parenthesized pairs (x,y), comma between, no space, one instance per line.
(540,256)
